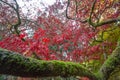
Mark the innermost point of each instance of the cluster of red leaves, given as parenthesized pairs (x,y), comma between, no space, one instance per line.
(27,47)
(62,40)
(14,43)
(68,45)
(56,41)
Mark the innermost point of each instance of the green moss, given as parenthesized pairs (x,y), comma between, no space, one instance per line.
(15,64)
(115,75)
(110,64)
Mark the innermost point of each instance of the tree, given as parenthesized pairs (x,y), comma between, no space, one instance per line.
(77,38)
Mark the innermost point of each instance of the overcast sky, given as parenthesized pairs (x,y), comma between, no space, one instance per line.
(47,2)
(34,5)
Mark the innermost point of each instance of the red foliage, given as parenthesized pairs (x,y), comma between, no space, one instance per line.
(67,45)
(56,37)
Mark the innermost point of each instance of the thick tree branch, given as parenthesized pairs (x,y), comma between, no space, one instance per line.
(110,64)
(107,22)
(12,63)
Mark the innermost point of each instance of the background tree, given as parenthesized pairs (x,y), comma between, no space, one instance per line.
(84,36)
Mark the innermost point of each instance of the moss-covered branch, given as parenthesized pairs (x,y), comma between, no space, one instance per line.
(110,64)
(12,63)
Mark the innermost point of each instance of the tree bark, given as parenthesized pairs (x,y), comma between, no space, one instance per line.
(110,64)
(12,63)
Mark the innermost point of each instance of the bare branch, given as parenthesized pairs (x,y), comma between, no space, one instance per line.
(75,18)
(91,13)
(107,22)
(102,34)
(18,16)
(16,9)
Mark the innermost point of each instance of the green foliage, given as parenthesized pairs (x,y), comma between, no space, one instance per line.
(1,77)
(111,34)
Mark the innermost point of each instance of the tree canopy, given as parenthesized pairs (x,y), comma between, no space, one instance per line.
(67,38)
